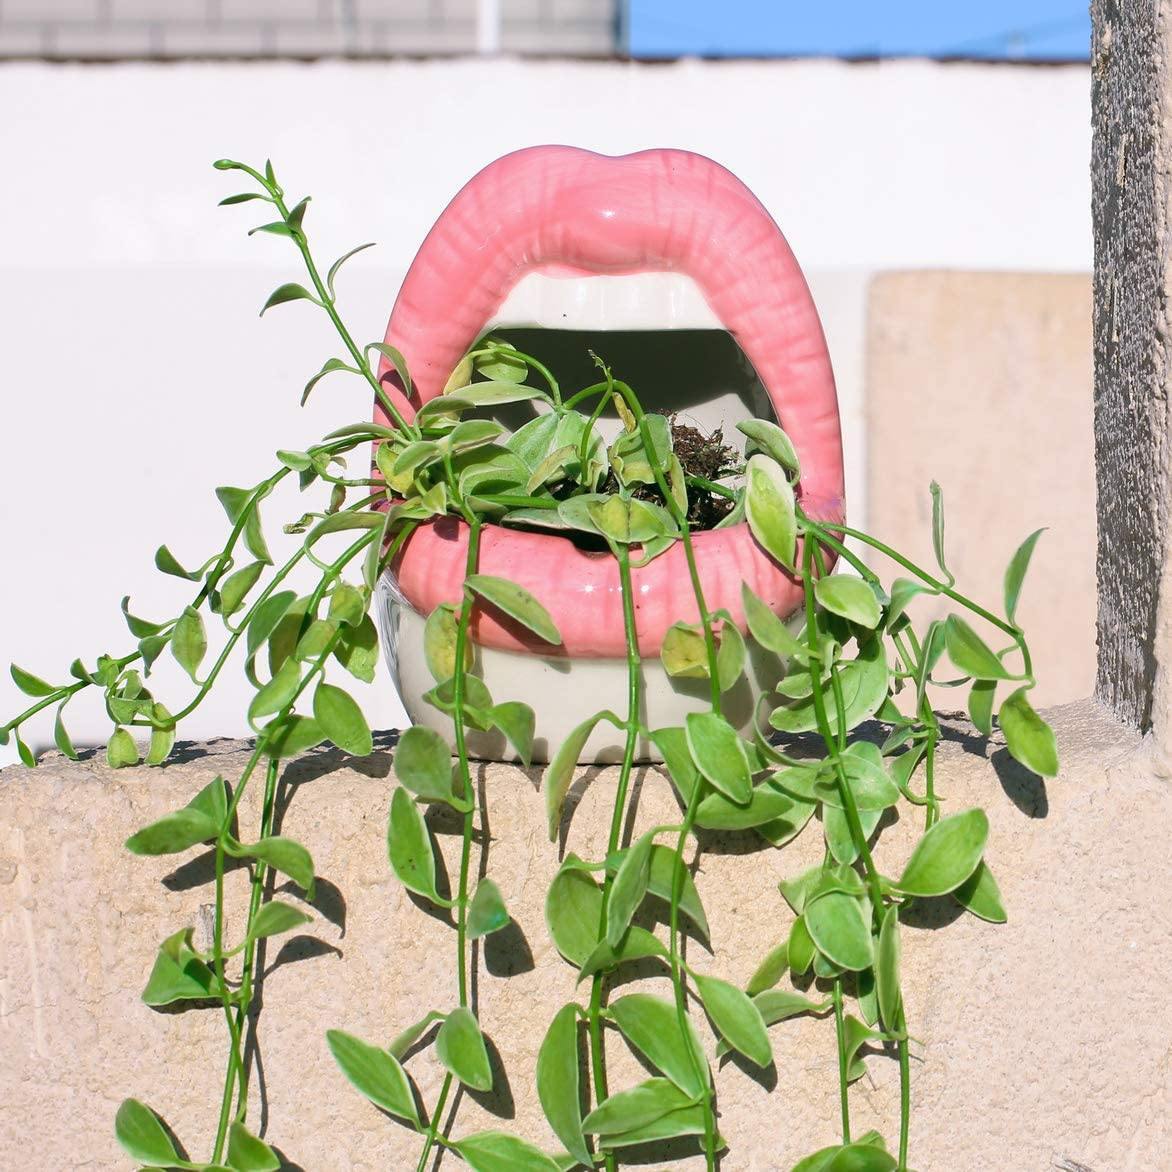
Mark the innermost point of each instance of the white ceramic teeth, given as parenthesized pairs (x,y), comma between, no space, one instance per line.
(638,301)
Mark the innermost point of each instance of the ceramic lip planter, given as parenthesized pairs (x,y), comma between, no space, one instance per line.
(561,238)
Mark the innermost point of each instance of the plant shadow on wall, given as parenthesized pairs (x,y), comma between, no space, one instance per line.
(847,739)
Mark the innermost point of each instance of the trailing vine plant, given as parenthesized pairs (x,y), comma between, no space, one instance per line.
(850,664)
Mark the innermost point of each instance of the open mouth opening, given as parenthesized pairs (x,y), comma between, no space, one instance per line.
(699,378)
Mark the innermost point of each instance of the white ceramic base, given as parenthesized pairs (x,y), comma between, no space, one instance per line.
(561,692)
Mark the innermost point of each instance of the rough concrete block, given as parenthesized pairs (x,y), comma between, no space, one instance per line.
(1042,1039)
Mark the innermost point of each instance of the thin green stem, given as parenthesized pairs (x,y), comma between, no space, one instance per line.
(327,303)
(618,814)
(840,1035)
(905,1089)
(465,774)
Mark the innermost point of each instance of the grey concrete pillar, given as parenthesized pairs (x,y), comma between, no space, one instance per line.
(1131,161)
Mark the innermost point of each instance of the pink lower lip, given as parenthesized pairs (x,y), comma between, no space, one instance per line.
(560,208)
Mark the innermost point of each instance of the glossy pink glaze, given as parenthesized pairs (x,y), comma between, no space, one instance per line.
(558,209)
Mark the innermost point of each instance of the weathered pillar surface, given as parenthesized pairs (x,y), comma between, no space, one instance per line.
(1131,155)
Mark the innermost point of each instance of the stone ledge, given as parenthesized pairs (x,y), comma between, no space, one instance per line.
(1044,1038)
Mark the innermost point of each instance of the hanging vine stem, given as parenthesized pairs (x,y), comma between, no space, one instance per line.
(464,621)
(235,1004)
(618,815)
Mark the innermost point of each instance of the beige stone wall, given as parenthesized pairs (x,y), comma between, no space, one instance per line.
(1044,1039)
(982,381)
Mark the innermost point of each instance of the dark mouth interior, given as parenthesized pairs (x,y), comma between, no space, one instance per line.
(702,376)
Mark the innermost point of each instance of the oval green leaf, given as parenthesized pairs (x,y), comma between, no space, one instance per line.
(516,602)
(947,855)
(839,929)
(736,1019)
(374,1073)
(558,1082)
(1028,737)
(459,1046)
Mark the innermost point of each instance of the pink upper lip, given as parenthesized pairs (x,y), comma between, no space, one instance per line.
(559,209)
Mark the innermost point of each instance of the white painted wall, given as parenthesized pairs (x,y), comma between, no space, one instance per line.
(135,375)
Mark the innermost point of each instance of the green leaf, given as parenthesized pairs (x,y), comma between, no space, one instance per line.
(683,652)
(244,197)
(277,693)
(903,590)
(719,754)
(142,1135)
(409,847)
(276,228)
(487,912)
(30,684)
(61,736)
(970,653)
(342,721)
(980,895)
(459,1046)
(573,907)
(769,505)
(167,563)
(423,763)
(533,441)
(501,365)
(275,918)
(357,650)
(839,929)
(121,750)
(685,1121)
(767,629)
(497,1151)
(179,974)
(730,656)
(328,367)
(560,773)
(981,696)
(736,1019)
(516,602)
(1016,571)
(799,948)
(866,778)
(776,1005)
(347,604)
(290,291)
(333,270)
(838,833)
(246,1153)
(677,760)
(397,361)
(374,1073)
(716,812)
(771,969)
(664,865)
(938,529)
(176,832)
(635,1107)
(236,587)
(887,969)
(628,889)
(293,735)
(855,1157)
(285,855)
(651,1026)
(850,597)
(439,643)
(189,642)
(947,855)
(245,502)
(1028,737)
(518,722)
(558,1082)
(268,614)
(403,1042)
(772,441)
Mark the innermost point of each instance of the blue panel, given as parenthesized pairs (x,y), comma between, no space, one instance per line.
(1029,30)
